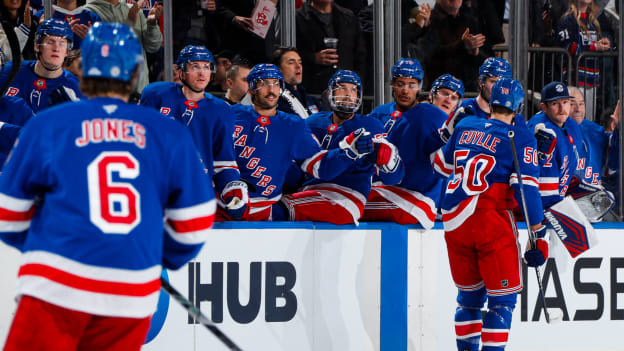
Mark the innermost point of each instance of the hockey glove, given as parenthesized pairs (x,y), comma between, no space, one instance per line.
(62,94)
(449,126)
(387,156)
(357,144)
(235,199)
(546,141)
(538,253)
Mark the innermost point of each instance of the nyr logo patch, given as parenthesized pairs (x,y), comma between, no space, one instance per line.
(165,110)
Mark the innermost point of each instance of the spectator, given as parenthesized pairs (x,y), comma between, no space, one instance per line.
(342,200)
(237,35)
(44,82)
(446,93)
(414,128)
(354,5)
(146,28)
(78,18)
(452,43)
(266,140)
(595,140)
(294,98)
(18,15)
(223,61)
(236,80)
(317,21)
(579,31)
(489,23)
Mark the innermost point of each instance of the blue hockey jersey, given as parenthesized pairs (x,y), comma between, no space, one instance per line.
(84,16)
(387,114)
(83,197)
(596,142)
(265,147)
(36,91)
(557,170)
(576,40)
(211,122)
(478,161)
(357,177)
(14,113)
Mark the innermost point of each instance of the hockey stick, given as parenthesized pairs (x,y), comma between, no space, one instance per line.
(557,314)
(16,54)
(198,315)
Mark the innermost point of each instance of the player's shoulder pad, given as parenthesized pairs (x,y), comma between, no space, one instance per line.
(386,108)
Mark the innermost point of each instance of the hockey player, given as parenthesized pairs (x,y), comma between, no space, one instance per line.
(415,132)
(553,127)
(79,18)
(341,201)
(484,254)
(195,65)
(492,69)
(267,140)
(83,197)
(14,114)
(210,120)
(446,93)
(407,75)
(44,82)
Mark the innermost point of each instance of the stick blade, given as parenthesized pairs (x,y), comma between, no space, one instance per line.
(555,315)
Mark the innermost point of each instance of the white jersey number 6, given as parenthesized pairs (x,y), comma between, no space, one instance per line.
(114,206)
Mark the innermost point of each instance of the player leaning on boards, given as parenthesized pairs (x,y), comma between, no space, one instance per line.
(84,199)
(267,140)
(480,228)
(210,120)
(413,128)
(341,200)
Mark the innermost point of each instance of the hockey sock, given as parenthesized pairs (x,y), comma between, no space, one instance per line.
(468,319)
(497,322)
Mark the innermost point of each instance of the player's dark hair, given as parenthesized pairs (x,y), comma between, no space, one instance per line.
(102,86)
(501,110)
(278,53)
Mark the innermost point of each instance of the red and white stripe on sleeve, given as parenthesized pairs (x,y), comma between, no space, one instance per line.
(190,225)
(219,166)
(311,165)
(548,186)
(439,163)
(15,214)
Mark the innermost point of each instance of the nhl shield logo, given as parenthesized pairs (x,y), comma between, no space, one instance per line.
(332,128)
(190,104)
(165,110)
(40,84)
(505,283)
(263,120)
(396,114)
(69,18)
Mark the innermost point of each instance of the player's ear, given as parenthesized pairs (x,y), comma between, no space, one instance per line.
(543,106)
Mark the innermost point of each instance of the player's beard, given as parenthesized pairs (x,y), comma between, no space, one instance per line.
(265,104)
(483,93)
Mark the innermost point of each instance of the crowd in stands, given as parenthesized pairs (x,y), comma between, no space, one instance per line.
(323,81)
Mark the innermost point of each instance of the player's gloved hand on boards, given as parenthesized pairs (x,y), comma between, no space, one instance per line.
(357,144)
(235,199)
(536,256)
(386,155)
(449,126)
(546,141)
(62,94)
